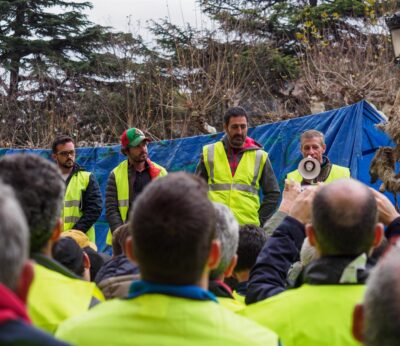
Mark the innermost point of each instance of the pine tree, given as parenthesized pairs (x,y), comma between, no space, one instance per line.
(42,40)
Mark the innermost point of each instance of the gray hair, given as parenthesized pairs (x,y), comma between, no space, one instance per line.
(14,238)
(227,232)
(382,302)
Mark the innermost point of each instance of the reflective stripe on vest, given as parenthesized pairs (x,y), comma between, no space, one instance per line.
(239,193)
(337,172)
(72,211)
(122,184)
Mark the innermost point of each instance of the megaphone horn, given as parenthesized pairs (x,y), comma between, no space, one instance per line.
(309,168)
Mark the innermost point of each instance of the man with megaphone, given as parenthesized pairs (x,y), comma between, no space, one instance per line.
(315,166)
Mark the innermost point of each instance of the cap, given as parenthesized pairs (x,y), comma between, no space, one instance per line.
(80,237)
(67,252)
(132,138)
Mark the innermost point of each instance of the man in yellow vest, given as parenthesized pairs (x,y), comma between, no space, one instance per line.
(343,229)
(56,294)
(82,200)
(16,276)
(312,143)
(128,179)
(172,227)
(237,169)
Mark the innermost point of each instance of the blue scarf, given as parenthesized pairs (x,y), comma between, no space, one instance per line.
(141,287)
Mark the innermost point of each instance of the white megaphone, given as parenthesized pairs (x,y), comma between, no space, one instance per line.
(309,168)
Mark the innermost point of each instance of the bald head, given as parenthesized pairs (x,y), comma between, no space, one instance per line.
(344,215)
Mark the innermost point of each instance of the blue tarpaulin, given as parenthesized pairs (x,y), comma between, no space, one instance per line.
(351,140)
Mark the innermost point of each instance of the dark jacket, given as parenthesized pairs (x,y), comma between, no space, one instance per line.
(91,203)
(15,325)
(117,266)
(220,289)
(282,249)
(268,182)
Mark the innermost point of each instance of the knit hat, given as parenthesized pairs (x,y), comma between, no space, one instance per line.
(67,252)
(132,138)
(80,237)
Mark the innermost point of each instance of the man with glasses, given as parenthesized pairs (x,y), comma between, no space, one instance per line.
(82,201)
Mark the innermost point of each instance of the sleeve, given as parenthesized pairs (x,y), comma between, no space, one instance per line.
(92,204)
(201,170)
(282,249)
(112,212)
(271,193)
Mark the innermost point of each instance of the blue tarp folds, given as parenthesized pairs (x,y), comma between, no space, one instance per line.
(351,140)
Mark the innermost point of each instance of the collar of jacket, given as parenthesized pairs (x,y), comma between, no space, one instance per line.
(249,144)
(220,289)
(149,165)
(334,270)
(11,307)
(142,287)
(53,265)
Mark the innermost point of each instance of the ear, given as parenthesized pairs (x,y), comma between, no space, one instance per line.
(225,127)
(379,234)
(25,280)
(228,272)
(86,260)
(358,322)
(58,228)
(128,247)
(310,233)
(54,157)
(323,149)
(214,256)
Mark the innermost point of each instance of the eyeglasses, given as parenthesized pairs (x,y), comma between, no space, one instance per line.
(66,153)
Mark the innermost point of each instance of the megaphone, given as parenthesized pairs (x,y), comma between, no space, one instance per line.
(309,168)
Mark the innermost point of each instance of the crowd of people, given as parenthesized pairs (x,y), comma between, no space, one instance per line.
(196,258)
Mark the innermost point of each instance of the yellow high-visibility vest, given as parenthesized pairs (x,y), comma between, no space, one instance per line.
(122,184)
(54,297)
(239,193)
(157,319)
(72,202)
(310,315)
(337,172)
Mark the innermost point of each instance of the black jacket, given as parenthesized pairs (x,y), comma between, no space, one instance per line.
(117,266)
(269,274)
(91,203)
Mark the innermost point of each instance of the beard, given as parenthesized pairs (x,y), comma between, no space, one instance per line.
(67,164)
(237,141)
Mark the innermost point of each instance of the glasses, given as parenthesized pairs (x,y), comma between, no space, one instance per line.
(66,153)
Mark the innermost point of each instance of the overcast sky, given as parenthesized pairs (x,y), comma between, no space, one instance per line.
(119,13)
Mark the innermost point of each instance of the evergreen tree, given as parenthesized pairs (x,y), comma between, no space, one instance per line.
(44,40)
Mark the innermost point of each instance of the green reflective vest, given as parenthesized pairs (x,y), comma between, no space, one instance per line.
(72,211)
(337,172)
(310,315)
(54,297)
(157,319)
(239,193)
(122,183)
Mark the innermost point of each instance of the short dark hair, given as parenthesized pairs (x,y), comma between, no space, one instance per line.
(67,252)
(63,139)
(345,225)
(173,224)
(251,240)
(235,112)
(39,188)
(118,239)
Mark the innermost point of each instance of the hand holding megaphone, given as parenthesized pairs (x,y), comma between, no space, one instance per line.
(309,168)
